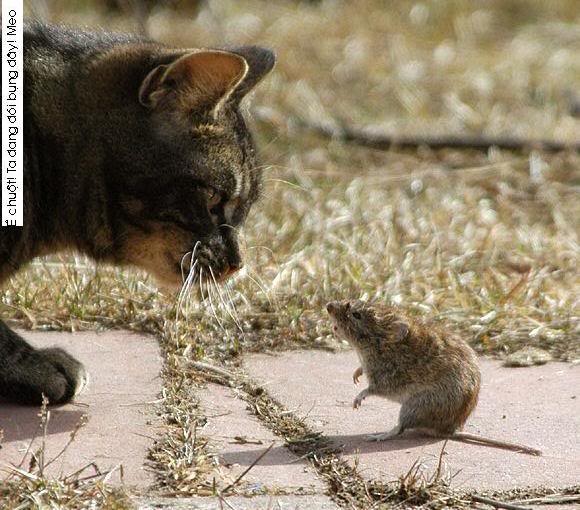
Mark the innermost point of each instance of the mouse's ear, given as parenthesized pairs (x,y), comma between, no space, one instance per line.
(400,330)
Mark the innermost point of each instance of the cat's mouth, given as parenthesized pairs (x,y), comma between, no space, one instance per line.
(205,272)
(199,270)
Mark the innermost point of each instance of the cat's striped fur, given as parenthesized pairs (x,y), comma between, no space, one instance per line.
(134,153)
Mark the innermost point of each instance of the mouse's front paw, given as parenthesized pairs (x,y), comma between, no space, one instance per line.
(360,397)
(356,375)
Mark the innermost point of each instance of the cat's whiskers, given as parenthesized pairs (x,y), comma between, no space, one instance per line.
(291,184)
(257,168)
(273,167)
(261,287)
(188,282)
(260,246)
(208,288)
(225,305)
(227,225)
(226,287)
(181,265)
(193,262)
(195,247)
(184,291)
(187,286)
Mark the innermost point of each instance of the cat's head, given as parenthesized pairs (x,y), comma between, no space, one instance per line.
(195,174)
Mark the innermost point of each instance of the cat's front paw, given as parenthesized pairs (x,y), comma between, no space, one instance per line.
(69,368)
(50,372)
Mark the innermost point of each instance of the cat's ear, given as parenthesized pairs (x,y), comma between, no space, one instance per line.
(200,80)
(260,62)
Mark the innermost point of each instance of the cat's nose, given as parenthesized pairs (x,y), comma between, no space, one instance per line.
(234,268)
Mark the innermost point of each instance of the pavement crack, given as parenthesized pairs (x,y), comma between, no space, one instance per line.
(344,483)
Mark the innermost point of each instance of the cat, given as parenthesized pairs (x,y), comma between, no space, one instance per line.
(134,152)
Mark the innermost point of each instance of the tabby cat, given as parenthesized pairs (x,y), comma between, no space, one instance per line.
(134,153)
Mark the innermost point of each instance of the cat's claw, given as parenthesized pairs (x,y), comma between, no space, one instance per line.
(73,371)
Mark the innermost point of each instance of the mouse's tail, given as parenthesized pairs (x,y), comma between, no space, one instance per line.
(465,436)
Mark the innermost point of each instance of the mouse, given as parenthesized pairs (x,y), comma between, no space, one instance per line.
(434,375)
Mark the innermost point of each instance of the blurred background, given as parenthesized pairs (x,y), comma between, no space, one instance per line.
(494,66)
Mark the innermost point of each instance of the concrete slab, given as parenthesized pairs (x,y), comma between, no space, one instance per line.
(571,506)
(117,406)
(240,438)
(239,503)
(537,406)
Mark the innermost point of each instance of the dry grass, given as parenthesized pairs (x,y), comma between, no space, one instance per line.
(347,487)
(486,244)
(26,487)
(29,492)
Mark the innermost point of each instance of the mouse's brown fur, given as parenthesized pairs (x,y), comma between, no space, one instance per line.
(433,375)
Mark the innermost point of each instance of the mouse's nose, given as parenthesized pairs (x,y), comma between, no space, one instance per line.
(332,307)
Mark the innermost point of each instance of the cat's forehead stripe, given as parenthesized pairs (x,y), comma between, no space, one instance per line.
(245,188)
(239,183)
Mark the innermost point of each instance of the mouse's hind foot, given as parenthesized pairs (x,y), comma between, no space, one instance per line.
(385,436)
(356,375)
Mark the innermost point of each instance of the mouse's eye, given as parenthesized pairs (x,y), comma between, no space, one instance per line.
(357,315)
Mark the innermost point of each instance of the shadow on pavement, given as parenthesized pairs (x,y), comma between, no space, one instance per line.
(20,423)
(356,443)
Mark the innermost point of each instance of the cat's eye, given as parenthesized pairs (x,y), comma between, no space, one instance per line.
(213,198)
